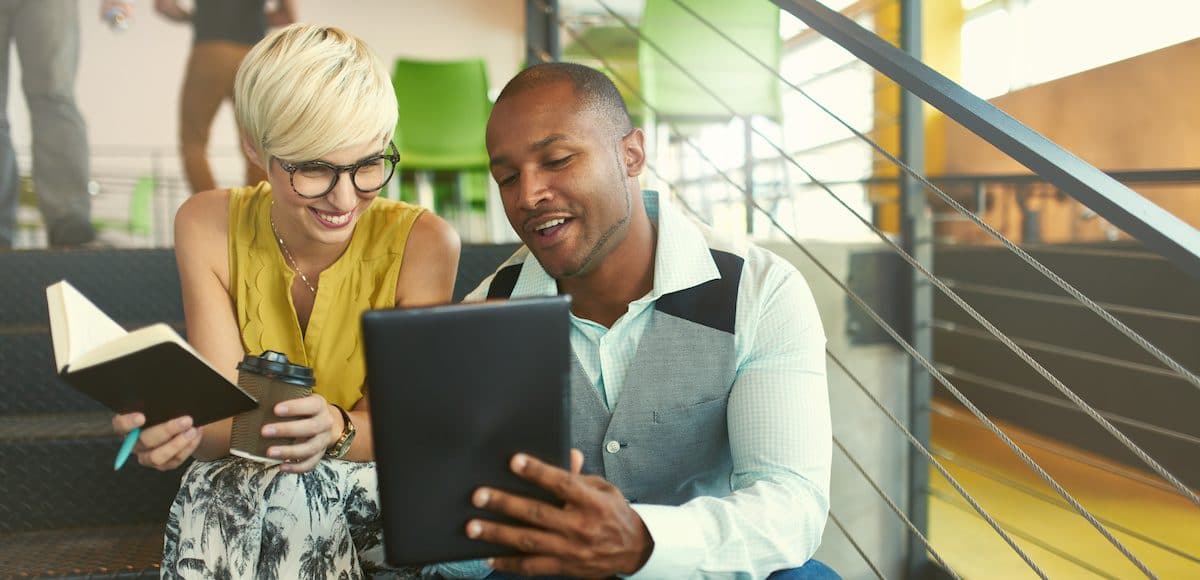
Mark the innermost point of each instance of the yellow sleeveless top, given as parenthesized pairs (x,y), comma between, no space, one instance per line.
(363,278)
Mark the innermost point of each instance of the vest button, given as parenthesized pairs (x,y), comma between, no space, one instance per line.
(612,446)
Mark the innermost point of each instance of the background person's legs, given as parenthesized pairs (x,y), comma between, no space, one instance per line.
(254,173)
(8,156)
(212,67)
(47,38)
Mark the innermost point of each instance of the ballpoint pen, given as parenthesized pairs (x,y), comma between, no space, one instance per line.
(126,448)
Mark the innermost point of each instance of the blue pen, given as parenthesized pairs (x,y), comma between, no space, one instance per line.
(126,448)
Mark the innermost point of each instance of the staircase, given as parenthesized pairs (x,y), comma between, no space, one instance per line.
(64,512)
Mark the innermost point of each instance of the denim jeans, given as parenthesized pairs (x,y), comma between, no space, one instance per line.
(811,570)
(46,35)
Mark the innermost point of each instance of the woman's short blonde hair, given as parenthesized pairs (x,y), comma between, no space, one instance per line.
(307,90)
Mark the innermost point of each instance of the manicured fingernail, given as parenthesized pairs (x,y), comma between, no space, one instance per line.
(275,452)
(268,431)
(184,422)
(481,498)
(281,409)
(519,461)
(474,528)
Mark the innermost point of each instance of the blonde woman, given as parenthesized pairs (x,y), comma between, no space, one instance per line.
(288,265)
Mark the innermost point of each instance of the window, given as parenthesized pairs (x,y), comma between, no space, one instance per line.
(1010,44)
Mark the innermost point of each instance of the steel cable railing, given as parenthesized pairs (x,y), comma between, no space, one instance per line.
(875,316)
(1025,357)
(933,279)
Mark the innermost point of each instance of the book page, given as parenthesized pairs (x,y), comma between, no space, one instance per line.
(135,341)
(76,325)
(131,342)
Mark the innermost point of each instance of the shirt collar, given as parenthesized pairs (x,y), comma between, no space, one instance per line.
(682,259)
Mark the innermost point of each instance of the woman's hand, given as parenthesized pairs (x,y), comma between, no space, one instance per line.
(164,446)
(312,430)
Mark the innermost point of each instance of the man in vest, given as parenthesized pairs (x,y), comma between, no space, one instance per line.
(700,410)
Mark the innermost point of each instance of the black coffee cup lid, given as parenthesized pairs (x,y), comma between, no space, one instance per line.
(275,365)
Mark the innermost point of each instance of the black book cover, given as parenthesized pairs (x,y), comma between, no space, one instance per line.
(162,381)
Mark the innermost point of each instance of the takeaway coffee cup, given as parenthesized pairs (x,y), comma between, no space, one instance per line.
(270,379)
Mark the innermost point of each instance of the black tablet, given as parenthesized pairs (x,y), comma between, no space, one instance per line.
(455,392)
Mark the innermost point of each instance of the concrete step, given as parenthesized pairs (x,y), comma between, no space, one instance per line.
(58,473)
(125,552)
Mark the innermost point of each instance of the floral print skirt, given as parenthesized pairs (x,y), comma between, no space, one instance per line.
(235,518)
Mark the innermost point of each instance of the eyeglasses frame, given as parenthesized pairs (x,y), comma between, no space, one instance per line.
(392,154)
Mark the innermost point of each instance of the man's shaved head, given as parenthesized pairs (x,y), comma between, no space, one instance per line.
(595,91)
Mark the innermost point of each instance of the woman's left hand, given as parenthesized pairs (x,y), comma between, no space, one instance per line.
(311,428)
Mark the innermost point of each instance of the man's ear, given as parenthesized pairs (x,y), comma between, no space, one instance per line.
(633,147)
(252,152)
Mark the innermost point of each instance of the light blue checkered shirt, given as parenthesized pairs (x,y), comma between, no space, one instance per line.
(778,412)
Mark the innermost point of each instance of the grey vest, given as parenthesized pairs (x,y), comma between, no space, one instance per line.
(667,440)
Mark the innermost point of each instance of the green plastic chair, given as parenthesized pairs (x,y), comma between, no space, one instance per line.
(140,220)
(612,50)
(141,207)
(743,84)
(722,68)
(444,109)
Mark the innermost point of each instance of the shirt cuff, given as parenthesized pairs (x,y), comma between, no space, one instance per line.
(678,544)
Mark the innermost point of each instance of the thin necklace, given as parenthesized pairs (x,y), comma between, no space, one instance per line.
(287,253)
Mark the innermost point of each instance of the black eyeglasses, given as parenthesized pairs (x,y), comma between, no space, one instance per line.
(314,179)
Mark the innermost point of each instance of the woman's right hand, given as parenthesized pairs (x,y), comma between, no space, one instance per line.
(164,446)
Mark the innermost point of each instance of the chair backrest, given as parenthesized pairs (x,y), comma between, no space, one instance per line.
(726,70)
(612,50)
(444,109)
(141,206)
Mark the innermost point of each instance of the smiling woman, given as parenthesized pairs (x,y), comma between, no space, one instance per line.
(289,265)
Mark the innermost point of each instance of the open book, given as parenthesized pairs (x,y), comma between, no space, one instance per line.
(151,370)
